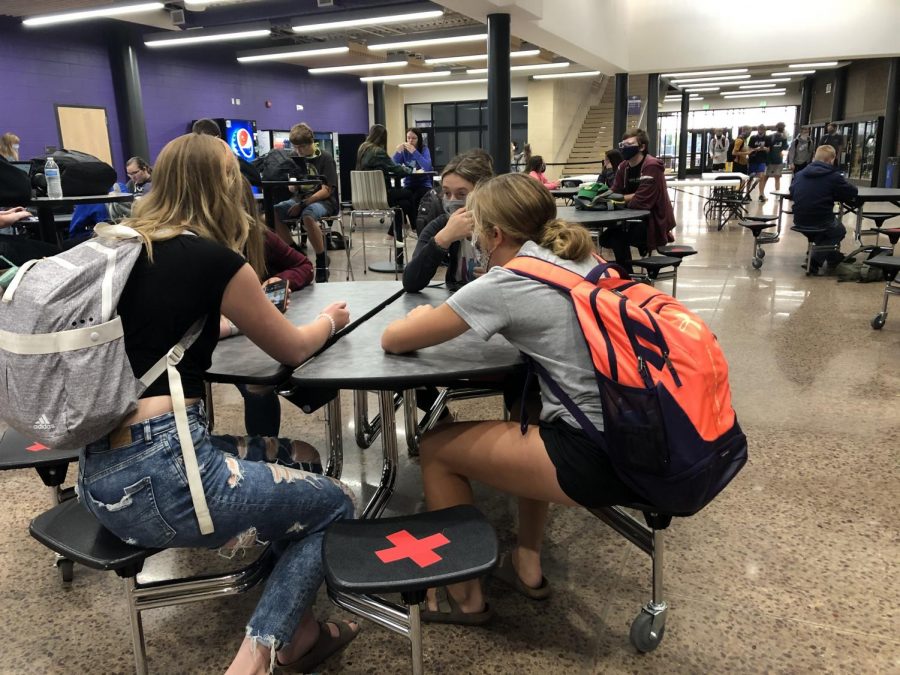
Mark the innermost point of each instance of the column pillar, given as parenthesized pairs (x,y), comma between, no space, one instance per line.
(806,99)
(129,100)
(620,109)
(838,93)
(499,91)
(652,111)
(683,136)
(889,133)
(378,103)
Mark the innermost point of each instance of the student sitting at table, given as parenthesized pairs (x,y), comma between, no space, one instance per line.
(641,179)
(554,461)
(272,260)
(446,238)
(611,160)
(372,155)
(536,169)
(312,205)
(416,155)
(133,480)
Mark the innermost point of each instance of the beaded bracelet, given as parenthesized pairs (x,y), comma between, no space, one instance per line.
(331,320)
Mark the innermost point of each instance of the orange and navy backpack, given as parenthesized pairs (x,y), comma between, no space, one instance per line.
(669,428)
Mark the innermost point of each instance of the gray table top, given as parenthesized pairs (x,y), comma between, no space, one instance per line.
(876,194)
(357,360)
(573,215)
(238,360)
(74,201)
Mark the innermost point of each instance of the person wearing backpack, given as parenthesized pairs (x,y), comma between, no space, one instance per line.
(191,267)
(801,152)
(553,461)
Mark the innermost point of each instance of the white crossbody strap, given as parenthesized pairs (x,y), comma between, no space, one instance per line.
(168,364)
(14,284)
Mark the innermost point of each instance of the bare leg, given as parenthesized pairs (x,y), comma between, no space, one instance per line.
(283,230)
(497,454)
(314,234)
(763,179)
(777,183)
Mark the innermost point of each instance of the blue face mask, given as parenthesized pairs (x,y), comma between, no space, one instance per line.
(629,151)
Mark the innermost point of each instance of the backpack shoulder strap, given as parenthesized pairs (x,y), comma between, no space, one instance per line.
(560,277)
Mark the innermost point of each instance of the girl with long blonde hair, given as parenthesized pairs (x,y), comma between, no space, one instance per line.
(196,236)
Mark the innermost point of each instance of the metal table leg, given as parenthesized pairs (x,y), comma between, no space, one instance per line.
(335,464)
(390,458)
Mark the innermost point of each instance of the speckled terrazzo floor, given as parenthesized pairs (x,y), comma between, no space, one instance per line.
(794,569)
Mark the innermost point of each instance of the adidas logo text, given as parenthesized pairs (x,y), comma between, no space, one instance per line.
(43,424)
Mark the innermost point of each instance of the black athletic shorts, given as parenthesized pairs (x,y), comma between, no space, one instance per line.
(584,472)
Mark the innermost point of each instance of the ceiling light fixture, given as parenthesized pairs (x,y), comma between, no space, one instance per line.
(700,73)
(823,64)
(440,84)
(723,78)
(794,73)
(756,86)
(768,80)
(479,57)
(99,13)
(756,95)
(753,93)
(368,21)
(455,39)
(537,66)
(405,76)
(201,36)
(288,53)
(693,89)
(381,65)
(557,76)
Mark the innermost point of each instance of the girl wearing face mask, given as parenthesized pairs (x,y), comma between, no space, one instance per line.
(553,461)
(536,169)
(9,147)
(447,237)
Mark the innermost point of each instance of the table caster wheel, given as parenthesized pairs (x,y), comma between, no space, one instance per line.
(66,570)
(757,263)
(642,635)
(878,321)
(760,253)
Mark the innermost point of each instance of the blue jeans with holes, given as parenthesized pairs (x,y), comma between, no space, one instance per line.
(259,490)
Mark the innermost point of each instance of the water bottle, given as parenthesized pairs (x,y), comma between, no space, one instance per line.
(54,184)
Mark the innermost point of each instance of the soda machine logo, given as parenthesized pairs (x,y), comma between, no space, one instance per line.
(242,143)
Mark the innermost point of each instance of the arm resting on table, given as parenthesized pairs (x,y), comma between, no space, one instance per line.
(247,306)
(423,327)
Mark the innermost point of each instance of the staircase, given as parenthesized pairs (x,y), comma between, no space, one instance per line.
(595,136)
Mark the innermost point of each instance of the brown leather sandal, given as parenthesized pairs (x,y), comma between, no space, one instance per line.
(325,646)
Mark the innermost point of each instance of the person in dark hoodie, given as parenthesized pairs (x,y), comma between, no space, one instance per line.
(640,178)
(814,192)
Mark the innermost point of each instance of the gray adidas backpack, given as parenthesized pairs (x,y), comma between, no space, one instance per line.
(65,379)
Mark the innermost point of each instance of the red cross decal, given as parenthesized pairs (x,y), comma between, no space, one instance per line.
(36,447)
(420,551)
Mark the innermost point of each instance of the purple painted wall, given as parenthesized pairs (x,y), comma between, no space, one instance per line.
(180,86)
(41,68)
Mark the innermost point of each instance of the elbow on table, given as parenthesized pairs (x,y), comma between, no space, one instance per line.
(392,340)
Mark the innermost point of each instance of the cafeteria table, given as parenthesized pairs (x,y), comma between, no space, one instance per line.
(45,205)
(872,194)
(357,362)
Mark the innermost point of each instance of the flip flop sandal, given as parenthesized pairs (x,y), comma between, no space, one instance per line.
(326,645)
(449,611)
(506,573)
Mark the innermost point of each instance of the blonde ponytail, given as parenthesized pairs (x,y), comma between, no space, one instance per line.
(567,240)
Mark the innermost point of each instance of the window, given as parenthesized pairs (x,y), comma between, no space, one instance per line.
(462,125)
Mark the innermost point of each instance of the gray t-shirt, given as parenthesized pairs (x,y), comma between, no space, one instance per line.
(539,321)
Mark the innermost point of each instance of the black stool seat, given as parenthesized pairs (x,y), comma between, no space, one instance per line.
(676,250)
(655,263)
(888,263)
(409,553)
(73,532)
(18,452)
(761,219)
(880,217)
(809,232)
(756,226)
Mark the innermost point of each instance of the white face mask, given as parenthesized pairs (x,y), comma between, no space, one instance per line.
(16,147)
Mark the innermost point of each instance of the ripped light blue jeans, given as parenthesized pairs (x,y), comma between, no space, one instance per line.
(258,490)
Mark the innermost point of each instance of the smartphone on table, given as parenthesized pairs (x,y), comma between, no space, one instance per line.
(277,293)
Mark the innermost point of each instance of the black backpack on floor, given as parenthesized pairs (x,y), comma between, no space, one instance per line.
(81,174)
